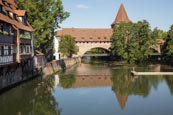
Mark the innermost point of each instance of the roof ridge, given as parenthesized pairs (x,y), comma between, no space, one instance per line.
(87,28)
(121,16)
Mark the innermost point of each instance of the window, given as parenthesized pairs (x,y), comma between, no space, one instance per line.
(1,50)
(0,8)
(4,11)
(28,49)
(21,49)
(91,38)
(99,38)
(105,38)
(24,21)
(15,17)
(11,15)
(83,38)
(7,27)
(9,50)
(5,50)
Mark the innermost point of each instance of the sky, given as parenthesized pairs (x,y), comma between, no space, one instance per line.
(101,13)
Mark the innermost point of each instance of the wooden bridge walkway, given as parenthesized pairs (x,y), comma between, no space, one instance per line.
(150,73)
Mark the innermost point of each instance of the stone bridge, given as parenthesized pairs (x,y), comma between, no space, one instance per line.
(84,47)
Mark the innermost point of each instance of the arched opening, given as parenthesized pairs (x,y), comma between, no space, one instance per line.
(155,56)
(96,55)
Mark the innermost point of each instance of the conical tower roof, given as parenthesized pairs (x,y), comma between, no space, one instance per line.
(121,16)
(122,99)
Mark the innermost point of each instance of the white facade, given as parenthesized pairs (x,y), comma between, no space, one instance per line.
(56,46)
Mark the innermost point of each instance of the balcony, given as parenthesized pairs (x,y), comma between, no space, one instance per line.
(25,41)
(4,60)
(6,39)
(25,56)
(25,36)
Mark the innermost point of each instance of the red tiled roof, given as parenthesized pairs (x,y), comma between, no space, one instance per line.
(121,16)
(1,2)
(16,23)
(20,12)
(7,19)
(86,34)
(11,2)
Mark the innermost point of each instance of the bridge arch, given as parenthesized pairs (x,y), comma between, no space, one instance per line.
(87,46)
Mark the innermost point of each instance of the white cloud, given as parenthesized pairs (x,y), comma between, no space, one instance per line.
(82,6)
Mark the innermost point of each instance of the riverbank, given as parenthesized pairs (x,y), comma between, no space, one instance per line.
(58,65)
(15,74)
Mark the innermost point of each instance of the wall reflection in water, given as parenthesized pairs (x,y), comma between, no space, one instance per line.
(33,98)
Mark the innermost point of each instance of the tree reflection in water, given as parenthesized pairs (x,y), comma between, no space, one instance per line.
(32,98)
(67,80)
(122,82)
(124,85)
(169,80)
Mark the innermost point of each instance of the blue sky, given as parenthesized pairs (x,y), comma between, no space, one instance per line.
(101,13)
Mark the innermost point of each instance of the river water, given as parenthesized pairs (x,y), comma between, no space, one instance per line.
(97,89)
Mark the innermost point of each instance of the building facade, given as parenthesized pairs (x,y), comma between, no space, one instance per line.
(16,34)
(16,45)
(88,38)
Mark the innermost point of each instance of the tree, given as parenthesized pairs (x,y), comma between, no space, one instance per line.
(44,16)
(167,48)
(120,39)
(67,46)
(158,34)
(132,41)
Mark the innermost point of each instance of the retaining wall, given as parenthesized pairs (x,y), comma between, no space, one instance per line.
(58,65)
(15,73)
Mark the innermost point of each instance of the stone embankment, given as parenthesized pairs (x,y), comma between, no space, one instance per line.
(14,74)
(58,65)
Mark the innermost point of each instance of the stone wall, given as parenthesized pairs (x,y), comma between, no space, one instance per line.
(57,65)
(15,73)
(84,47)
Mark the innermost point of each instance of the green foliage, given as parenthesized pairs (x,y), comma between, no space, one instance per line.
(158,34)
(97,51)
(67,46)
(44,16)
(167,48)
(132,41)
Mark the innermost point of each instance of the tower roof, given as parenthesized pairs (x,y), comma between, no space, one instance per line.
(121,16)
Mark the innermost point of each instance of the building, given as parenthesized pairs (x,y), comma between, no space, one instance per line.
(87,38)
(16,34)
(16,45)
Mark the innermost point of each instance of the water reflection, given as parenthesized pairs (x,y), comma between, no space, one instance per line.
(169,81)
(32,98)
(92,90)
(122,83)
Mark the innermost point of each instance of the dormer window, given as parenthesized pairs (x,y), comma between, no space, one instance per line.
(4,11)
(15,17)
(0,8)
(1,27)
(11,14)
(24,21)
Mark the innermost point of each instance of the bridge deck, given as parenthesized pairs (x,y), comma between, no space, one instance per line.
(150,73)
(106,54)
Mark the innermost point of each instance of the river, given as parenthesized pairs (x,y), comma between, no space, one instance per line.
(93,89)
